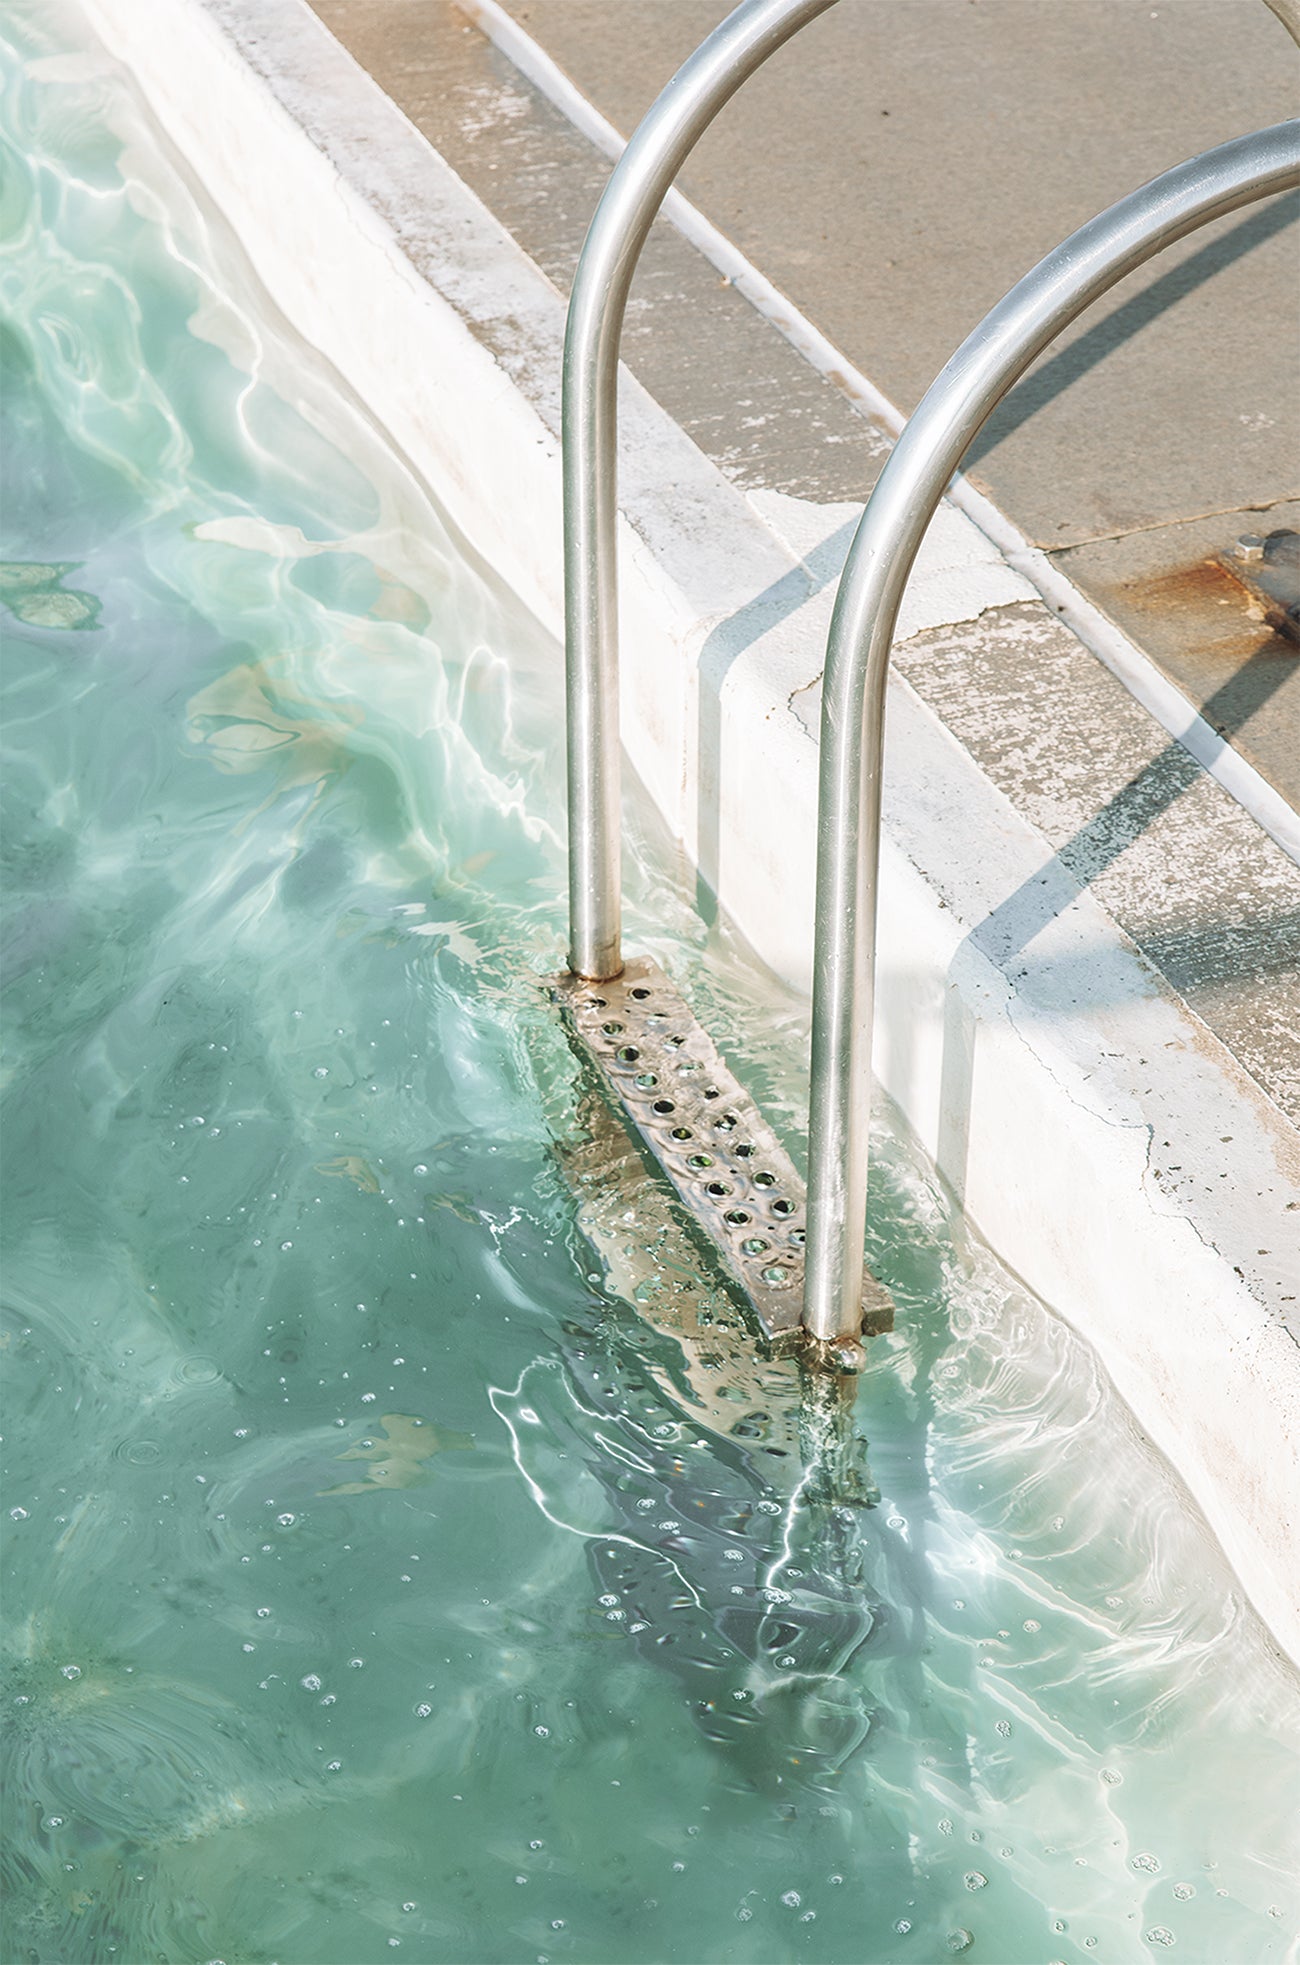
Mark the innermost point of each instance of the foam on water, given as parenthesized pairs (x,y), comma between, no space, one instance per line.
(378,1577)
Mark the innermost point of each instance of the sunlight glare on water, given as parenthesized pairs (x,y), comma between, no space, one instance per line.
(402,1555)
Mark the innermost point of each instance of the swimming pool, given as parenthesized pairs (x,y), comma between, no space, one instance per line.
(341,1466)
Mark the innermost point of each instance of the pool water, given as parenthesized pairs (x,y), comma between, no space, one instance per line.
(385,1573)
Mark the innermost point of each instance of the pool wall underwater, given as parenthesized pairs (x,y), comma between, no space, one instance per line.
(1112,1152)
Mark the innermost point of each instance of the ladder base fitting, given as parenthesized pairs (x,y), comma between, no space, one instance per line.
(725,1164)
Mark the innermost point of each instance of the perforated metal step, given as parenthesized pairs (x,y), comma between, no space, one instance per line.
(725,1163)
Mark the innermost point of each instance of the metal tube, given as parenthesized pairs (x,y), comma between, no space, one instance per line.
(930,449)
(1288,12)
(643,175)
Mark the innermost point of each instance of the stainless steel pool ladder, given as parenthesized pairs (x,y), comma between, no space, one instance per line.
(638,1031)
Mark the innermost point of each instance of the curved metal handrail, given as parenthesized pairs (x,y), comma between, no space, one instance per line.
(884,547)
(660,145)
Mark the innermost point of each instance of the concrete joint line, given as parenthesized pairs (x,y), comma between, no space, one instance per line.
(1162,699)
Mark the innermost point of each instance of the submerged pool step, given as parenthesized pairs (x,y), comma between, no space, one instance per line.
(725,1163)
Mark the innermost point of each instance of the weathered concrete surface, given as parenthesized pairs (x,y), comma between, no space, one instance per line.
(1121,441)
(715,365)
(898,166)
(1166,587)
(1183,871)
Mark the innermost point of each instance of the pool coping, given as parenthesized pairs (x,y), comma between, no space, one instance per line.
(450,334)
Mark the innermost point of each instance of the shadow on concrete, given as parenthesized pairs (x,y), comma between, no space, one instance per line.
(1184,959)
(724,645)
(1198,958)
(1060,371)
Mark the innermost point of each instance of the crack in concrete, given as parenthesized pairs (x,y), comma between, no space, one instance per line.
(1172,525)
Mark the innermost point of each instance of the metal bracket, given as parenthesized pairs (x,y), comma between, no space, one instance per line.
(725,1163)
(1267,565)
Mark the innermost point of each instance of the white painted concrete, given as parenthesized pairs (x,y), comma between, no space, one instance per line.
(1039,1098)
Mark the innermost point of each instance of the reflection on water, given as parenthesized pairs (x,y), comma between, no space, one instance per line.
(36,594)
(404,1550)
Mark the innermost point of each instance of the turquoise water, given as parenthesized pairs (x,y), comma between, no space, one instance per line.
(379,1578)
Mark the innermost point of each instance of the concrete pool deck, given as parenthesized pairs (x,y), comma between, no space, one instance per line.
(1088,944)
(893,171)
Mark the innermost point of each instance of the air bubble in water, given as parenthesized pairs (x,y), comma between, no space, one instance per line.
(70,1671)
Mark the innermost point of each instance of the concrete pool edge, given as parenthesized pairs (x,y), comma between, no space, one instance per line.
(444,327)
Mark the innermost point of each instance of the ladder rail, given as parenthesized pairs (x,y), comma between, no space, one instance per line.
(589,421)
(965,393)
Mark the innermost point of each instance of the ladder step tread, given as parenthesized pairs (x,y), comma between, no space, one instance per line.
(701,1126)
